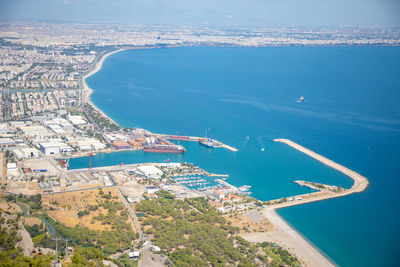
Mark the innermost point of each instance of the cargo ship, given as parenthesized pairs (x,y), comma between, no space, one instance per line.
(157,148)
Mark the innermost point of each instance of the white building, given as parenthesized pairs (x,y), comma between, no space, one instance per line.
(56,129)
(35,131)
(170,164)
(11,166)
(134,254)
(66,126)
(88,144)
(7,142)
(51,148)
(150,171)
(25,152)
(151,189)
(218,194)
(76,120)
(4,128)
(156,249)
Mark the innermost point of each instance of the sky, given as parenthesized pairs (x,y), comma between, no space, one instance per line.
(208,12)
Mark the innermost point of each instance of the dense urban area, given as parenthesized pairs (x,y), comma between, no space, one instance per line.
(153,214)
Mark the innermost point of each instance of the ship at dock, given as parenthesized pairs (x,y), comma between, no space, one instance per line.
(160,148)
(207,141)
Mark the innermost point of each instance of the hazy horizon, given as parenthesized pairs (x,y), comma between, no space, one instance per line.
(253,13)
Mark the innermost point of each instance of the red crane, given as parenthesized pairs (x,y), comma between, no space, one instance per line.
(90,160)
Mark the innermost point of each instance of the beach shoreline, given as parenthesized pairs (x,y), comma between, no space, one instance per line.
(290,239)
(87,91)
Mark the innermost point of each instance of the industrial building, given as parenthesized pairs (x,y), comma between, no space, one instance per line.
(7,143)
(150,171)
(51,148)
(76,120)
(25,152)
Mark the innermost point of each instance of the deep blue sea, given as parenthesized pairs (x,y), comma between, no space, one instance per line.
(351,115)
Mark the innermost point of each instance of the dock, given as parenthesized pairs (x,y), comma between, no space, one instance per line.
(227,184)
(195,139)
(218,175)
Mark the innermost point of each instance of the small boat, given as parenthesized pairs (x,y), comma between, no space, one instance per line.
(301,99)
(262,149)
(244,188)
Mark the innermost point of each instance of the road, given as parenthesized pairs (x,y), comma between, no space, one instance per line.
(141,235)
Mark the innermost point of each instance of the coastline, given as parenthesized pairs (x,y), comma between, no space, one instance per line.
(286,235)
(283,233)
(87,91)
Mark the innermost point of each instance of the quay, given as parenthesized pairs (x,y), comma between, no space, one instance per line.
(218,175)
(227,184)
(195,139)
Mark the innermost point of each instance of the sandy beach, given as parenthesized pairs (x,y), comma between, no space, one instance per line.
(287,237)
(87,91)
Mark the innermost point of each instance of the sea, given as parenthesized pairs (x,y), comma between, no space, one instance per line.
(246,97)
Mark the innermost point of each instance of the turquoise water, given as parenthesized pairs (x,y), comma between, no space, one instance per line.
(351,115)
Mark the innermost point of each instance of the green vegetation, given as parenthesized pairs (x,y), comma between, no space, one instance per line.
(116,240)
(16,258)
(192,233)
(100,120)
(91,246)
(35,229)
(8,232)
(10,255)
(126,261)
(87,257)
(280,256)
(34,202)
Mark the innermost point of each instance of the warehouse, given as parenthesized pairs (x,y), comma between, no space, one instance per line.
(51,148)
(150,171)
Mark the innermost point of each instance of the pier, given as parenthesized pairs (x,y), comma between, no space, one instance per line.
(286,236)
(195,139)
(360,182)
(227,184)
